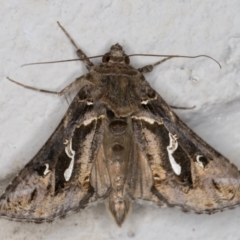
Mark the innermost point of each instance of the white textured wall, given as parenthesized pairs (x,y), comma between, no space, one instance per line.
(29,33)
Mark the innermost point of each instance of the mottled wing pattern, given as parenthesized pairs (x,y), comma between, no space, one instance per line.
(119,141)
(57,179)
(187,172)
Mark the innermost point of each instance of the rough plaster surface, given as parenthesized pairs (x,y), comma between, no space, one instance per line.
(29,33)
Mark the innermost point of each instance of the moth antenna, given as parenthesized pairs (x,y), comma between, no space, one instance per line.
(182,108)
(67,34)
(176,56)
(79,52)
(32,88)
(60,61)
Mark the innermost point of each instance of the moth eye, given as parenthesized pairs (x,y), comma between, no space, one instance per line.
(127,60)
(106,57)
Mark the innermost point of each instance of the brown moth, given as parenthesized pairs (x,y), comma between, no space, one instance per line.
(119,142)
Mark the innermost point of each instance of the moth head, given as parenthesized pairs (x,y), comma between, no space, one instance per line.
(116,55)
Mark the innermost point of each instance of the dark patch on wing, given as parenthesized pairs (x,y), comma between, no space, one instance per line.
(184,161)
(61,166)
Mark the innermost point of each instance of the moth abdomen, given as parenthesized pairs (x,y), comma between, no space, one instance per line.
(118,206)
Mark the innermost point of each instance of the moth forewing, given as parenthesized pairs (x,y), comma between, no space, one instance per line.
(120,142)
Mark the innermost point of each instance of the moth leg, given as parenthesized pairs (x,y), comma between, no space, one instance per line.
(182,108)
(149,68)
(32,88)
(79,52)
(79,82)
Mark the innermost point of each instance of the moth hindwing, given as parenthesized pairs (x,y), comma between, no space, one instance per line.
(119,142)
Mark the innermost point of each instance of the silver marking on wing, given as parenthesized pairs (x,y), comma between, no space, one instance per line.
(173,145)
(46,171)
(199,162)
(71,154)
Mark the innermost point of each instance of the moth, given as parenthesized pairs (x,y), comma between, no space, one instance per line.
(119,142)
